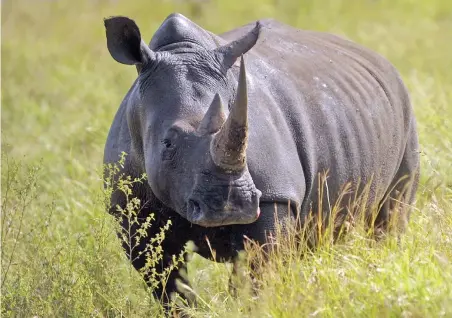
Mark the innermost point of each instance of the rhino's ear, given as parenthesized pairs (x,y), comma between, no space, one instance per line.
(230,52)
(124,42)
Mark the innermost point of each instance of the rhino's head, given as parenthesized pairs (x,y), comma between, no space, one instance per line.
(193,153)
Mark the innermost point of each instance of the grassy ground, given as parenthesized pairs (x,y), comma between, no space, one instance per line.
(60,91)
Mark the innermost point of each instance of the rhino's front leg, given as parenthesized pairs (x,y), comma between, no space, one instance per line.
(164,292)
(274,220)
(172,245)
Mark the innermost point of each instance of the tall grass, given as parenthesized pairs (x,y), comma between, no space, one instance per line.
(60,255)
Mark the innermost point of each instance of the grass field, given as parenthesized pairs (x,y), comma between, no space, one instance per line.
(60,91)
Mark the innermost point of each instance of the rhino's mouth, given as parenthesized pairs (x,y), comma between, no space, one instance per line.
(200,214)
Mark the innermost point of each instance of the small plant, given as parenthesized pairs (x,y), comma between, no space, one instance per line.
(19,190)
(134,226)
(45,273)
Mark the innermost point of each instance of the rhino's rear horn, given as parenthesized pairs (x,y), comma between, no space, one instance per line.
(228,148)
(230,52)
(213,119)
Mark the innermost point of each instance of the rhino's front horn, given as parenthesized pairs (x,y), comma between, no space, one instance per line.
(228,148)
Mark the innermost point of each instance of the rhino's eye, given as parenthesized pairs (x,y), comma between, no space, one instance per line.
(167,143)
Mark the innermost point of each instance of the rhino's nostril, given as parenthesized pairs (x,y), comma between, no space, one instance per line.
(195,208)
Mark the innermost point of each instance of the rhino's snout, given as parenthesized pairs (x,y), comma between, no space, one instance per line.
(219,199)
(200,214)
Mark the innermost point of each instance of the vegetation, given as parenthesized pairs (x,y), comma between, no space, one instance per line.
(60,255)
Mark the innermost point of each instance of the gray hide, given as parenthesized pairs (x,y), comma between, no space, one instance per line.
(308,103)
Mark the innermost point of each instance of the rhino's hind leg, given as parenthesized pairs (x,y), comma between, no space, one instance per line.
(396,207)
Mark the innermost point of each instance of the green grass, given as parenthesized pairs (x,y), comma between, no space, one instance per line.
(60,91)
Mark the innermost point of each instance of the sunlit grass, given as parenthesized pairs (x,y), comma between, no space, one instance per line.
(60,91)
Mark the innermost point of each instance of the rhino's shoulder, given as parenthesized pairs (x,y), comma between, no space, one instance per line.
(297,45)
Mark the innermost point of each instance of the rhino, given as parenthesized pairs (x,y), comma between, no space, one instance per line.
(234,131)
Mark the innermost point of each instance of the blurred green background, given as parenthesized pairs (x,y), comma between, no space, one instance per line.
(61,89)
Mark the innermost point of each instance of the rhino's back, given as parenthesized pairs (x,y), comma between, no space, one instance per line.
(333,105)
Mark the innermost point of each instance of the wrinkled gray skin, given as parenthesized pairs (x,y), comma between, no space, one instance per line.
(308,102)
